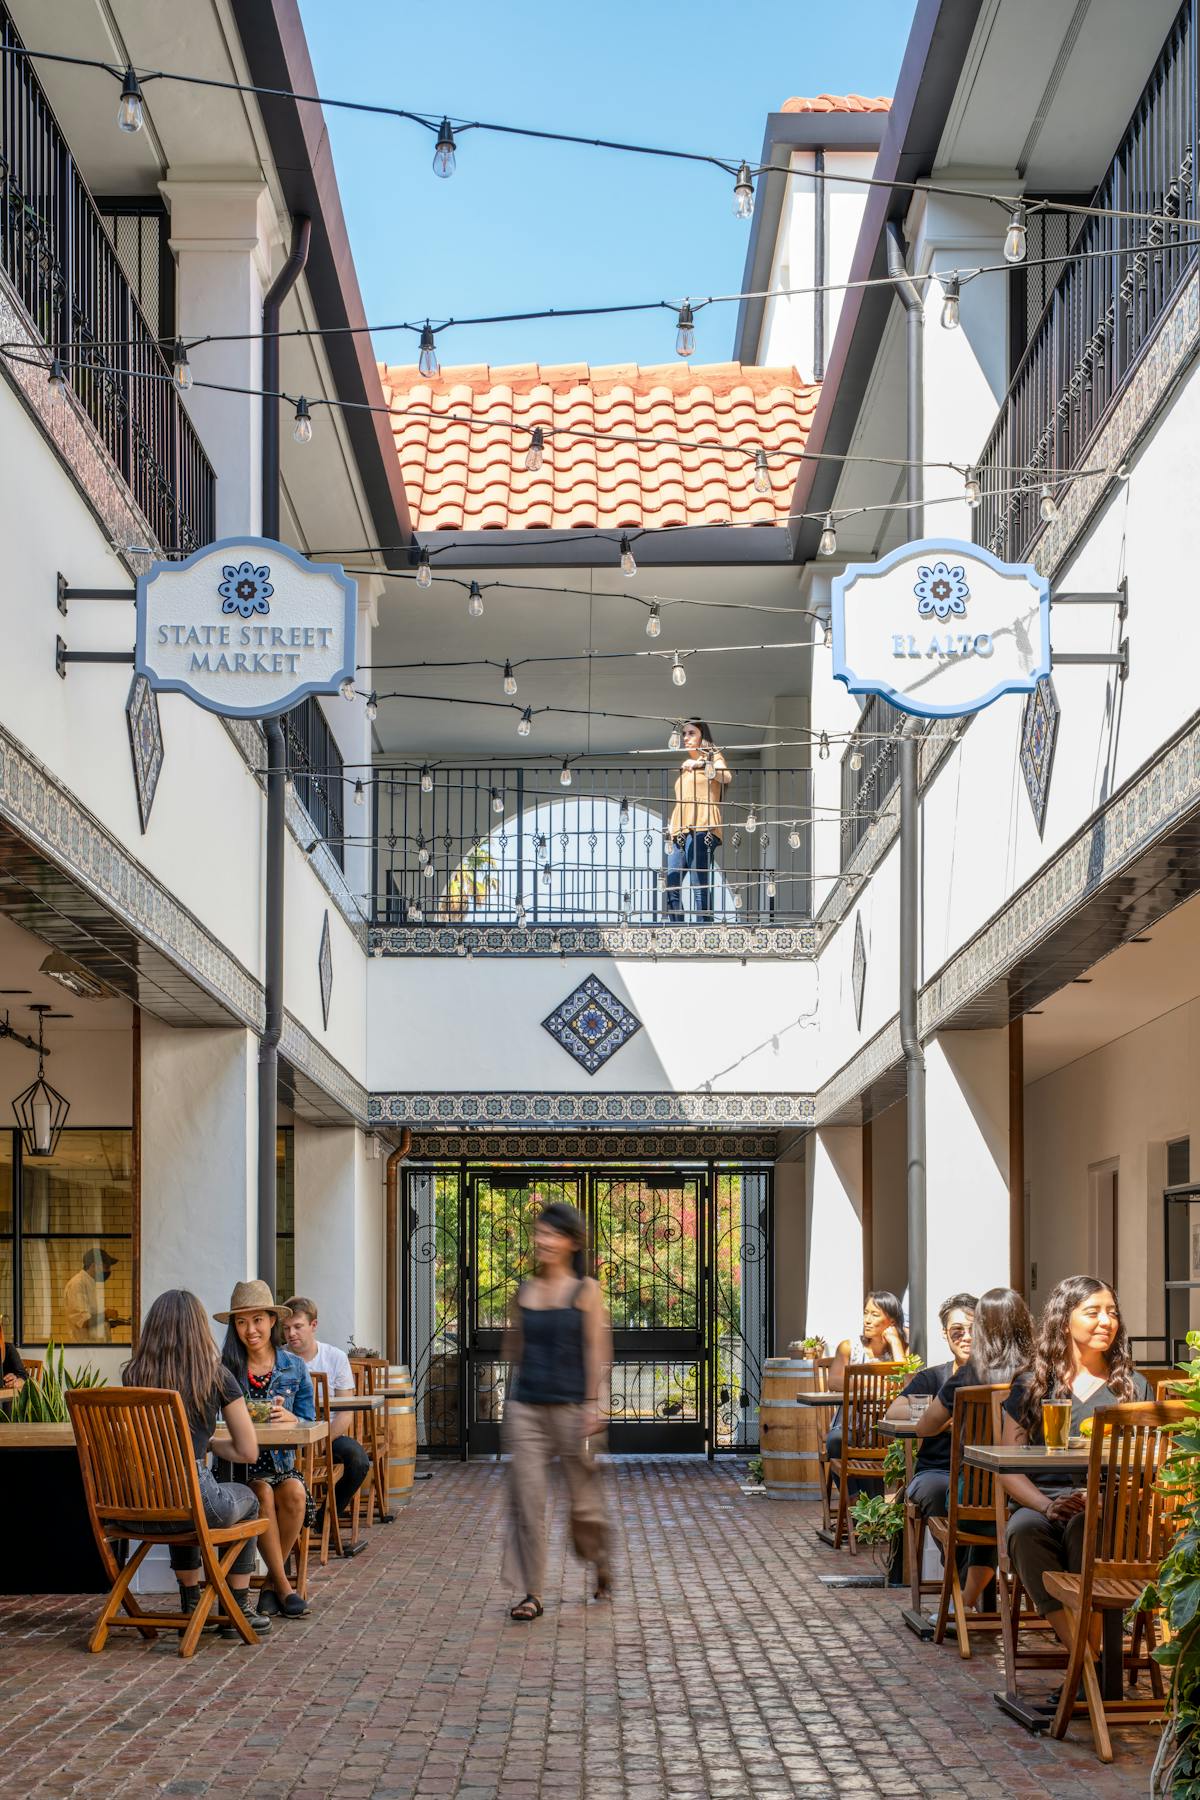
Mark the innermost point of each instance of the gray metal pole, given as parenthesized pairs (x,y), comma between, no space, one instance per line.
(910,845)
(268,1048)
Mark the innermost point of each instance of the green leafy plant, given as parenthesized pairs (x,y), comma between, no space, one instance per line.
(358,1354)
(878,1522)
(754,1470)
(1176,1590)
(44,1402)
(894,1464)
(814,1346)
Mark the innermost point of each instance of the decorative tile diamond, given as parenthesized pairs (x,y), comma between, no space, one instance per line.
(591,1024)
(325,970)
(145,743)
(1039,734)
(858,970)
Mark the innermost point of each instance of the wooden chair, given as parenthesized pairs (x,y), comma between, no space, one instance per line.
(868,1392)
(1029,1642)
(1123,1544)
(325,1472)
(1166,1388)
(370,1377)
(971,1518)
(822,1366)
(139,1480)
(33,1367)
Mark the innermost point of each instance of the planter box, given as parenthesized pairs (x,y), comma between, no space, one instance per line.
(42,1509)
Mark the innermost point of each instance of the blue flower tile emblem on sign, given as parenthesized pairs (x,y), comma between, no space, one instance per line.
(245,589)
(941,588)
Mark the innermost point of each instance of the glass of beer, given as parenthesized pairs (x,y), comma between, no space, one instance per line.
(1056,1423)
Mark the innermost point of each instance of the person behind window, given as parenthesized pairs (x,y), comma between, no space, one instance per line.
(694,828)
(90,1320)
(176,1350)
(265,1372)
(327,1359)
(1082,1355)
(12,1369)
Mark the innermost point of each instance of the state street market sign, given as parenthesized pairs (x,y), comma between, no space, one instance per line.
(941,628)
(246,627)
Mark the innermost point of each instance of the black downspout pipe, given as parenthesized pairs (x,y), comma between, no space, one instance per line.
(910,848)
(268,1048)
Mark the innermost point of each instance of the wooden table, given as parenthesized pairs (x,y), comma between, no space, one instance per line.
(373,1402)
(914,1615)
(817,1399)
(1029,1459)
(301,1436)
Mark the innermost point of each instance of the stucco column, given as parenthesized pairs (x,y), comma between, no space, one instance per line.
(967,1156)
(199,1145)
(339,1232)
(834,1215)
(222,233)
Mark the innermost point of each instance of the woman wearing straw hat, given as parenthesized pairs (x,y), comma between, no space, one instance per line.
(253,1352)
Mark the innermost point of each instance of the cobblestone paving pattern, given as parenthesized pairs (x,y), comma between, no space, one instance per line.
(723,1668)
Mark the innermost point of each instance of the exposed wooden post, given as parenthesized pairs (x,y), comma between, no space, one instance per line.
(1017,1249)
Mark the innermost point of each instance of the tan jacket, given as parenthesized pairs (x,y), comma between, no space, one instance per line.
(698,800)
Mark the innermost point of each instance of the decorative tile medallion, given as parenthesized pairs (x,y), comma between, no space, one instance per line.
(325,969)
(858,971)
(145,743)
(1039,734)
(591,1024)
(592,1111)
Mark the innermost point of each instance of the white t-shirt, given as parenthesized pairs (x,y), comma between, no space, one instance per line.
(334,1363)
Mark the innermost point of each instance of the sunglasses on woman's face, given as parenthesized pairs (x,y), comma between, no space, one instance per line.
(956,1333)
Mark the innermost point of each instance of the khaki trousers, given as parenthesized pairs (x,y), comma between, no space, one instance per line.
(533,1436)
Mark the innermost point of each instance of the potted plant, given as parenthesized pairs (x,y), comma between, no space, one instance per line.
(44,1401)
(1176,1590)
(878,1521)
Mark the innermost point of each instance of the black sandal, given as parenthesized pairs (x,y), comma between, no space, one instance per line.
(521,1611)
(603,1585)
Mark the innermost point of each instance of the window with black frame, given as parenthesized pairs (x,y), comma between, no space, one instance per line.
(67,1246)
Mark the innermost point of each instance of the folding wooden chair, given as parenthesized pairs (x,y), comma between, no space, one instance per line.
(370,1377)
(867,1394)
(1018,1615)
(325,1472)
(139,1479)
(822,1366)
(971,1515)
(1123,1544)
(33,1367)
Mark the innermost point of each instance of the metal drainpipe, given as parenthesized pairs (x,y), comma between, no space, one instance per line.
(391,1272)
(910,848)
(268,1047)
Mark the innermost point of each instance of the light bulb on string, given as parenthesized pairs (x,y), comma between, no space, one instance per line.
(743,193)
(346,688)
(424,572)
(56,379)
(537,444)
(520,914)
(794,835)
(181,368)
(422,853)
(427,361)
(752,821)
(427,868)
(426,779)
(827,635)
(950,301)
(828,543)
(564,774)
(443,156)
(653,620)
(1047,505)
(129,107)
(685,331)
(710,768)
(510,680)
(762,473)
(372,706)
(302,424)
(1015,237)
(623,810)
(416,913)
(475,602)
(855,754)
(770,887)
(972,491)
(678,672)
(525,722)
(360,793)
(546,874)
(628,565)
(823,750)
(497,801)
(675,741)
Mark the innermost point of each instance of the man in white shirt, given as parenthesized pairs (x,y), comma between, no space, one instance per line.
(83,1300)
(327,1359)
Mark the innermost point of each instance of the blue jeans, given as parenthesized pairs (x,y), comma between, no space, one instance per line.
(690,857)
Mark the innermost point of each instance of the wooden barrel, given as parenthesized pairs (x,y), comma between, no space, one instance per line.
(790,1432)
(402,1438)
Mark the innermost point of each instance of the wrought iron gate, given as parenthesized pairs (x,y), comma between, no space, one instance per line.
(683,1259)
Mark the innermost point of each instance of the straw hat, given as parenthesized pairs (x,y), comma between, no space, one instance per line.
(252,1296)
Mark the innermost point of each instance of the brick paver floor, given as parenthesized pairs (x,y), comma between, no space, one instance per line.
(723,1668)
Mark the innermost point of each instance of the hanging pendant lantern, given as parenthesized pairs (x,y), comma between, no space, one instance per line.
(41,1111)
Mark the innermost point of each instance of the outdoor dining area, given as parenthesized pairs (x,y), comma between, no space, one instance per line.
(1013,1503)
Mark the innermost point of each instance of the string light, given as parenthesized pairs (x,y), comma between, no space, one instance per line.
(653,620)
(422,853)
(855,754)
(427,361)
(950,304)
(443,156)
(678,672)
(372,707)
(1015,238)
(972,491)
(685,331)
(1047,505)
(346,688)
(129,108)
(416,913)
(56,379)
(623,810)
(675,741)
(751,821)
(360,793)
(823,751)
(520,913)
(743,193)
(302,428)
(533,456)
(497,801)
(564,776)
(828,543)
(546,874)
(525,722)
(762,474)
(181,368)
(794,835)
(628,565)
(827,635)
(426,779)
(424,572)
(510,680)
(475,602)
(770,887)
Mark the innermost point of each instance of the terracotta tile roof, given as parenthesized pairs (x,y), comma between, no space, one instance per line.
(464,468)
(837,103)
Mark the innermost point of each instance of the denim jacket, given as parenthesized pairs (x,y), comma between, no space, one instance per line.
(290,1383)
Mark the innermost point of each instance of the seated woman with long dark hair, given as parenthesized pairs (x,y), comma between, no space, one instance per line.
(1082,1355)
(883,1339)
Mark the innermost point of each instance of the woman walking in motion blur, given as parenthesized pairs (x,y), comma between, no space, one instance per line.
(559,1350)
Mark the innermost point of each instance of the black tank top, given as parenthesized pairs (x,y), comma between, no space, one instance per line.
(551,1371)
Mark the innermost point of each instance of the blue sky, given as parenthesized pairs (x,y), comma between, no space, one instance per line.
(526,225)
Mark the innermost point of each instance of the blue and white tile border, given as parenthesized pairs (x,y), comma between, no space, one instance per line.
(576,1111)
(727,942)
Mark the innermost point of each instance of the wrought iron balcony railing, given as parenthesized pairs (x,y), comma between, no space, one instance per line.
(1120,278)
(493,845)
(61,263)
(315,763)
(876,749)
